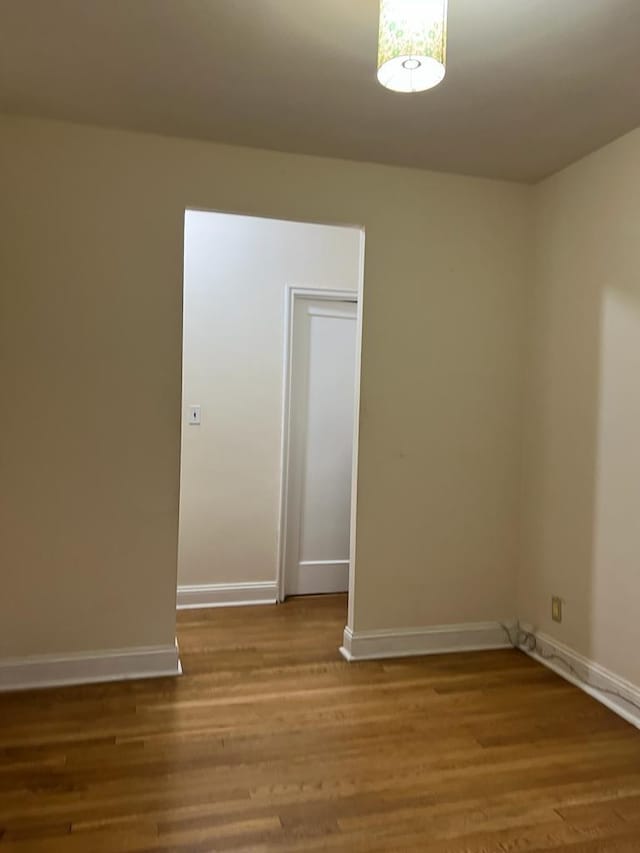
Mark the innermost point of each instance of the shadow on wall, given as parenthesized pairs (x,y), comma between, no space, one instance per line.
(615,574)
(581,510)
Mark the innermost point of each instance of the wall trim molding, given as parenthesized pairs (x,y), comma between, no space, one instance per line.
(479,636)
(436,640)
(89,667)
(600,679)
(227,594)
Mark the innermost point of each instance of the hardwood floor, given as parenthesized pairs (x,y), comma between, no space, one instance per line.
(270,742)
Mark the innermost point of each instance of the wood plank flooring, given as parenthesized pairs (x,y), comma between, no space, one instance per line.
(270,742)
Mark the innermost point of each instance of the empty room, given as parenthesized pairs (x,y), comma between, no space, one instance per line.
(319,470)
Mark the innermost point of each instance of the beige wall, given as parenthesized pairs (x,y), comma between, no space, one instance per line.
(237,269)
(581,537)
(91,274)
(90,348)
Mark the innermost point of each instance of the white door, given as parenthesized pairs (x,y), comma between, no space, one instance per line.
(321,446)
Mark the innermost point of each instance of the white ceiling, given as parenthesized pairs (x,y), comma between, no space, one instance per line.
(531,84)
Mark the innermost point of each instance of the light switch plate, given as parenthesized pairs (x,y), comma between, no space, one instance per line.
(556,609)
(194,415)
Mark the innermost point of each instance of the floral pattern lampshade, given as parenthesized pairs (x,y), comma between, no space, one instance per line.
(413,44)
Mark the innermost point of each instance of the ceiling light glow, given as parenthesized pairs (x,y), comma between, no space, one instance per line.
(412,44)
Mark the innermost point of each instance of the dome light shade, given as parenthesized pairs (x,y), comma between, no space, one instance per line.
(412,44)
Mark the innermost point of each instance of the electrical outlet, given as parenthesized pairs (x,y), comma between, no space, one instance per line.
(556,609)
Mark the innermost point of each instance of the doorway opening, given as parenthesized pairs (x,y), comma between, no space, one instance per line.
(271,365)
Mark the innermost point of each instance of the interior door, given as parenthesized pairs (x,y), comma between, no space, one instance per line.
(321,446)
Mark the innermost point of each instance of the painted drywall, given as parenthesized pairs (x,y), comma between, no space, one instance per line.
(581,537)
(237,269)
(92,225)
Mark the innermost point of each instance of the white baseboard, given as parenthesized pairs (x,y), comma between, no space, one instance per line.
(441,639)
(319,577)
(227,595)
(602,683)
(86,668)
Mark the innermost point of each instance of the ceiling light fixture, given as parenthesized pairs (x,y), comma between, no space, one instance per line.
(412,44)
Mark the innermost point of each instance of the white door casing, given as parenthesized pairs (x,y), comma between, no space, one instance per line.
(319,457)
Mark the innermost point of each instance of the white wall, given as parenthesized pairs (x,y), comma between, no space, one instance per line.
(236,272)
(581,509)
(90,332)
(92,224)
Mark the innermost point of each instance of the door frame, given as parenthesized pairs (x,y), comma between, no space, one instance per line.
(294,293)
